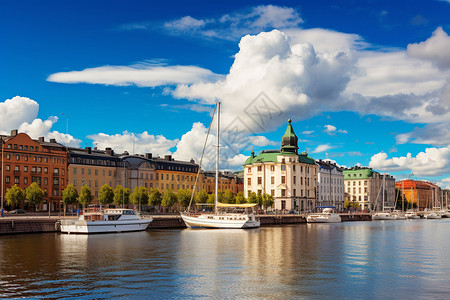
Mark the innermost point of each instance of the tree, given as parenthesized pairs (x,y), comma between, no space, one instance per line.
(240,198)
(69,196)
(252,198)
(228,197)
(155,197)
(267,200)
(169,198)
(14,195)
(85,196)
(35,194)
(346,203)
(201,197)
(119,193)
(139,196)
(259,199)
(106,195)
(211,198)
(184,197)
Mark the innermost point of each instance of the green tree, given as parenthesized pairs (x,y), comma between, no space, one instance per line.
(169,198)
(228,197)
(184,197)
(346,204)
(69,196)
(201,197)
(119,193)
(240,198)
(106,196)
(211,198)
(253,198)
(34,194)
(139,196)
(85,197)
(155,197)
(14,195)
(267,200)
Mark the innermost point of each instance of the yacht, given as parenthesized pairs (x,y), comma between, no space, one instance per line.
(384,216)
(105,221)
(326,216)
(412,215)
(216,219)
(432,215)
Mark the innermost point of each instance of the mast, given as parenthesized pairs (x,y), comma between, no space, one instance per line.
(384,188)
(217,159)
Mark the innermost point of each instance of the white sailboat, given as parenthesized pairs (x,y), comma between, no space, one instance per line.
(216,219)
(433,214)
(384,215)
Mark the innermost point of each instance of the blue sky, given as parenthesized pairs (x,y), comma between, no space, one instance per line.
(365,82)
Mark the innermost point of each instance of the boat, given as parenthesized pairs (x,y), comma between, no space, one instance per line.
(412,215)
(216,219)
(431,215)
(384,216)
(110,220)
(326,216)
(399,215)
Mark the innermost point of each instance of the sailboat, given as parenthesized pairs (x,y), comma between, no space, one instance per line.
(216,219)
(384,215)
(434,214)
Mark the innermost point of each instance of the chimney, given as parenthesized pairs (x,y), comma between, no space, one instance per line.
(109,151)
(168,157)
(52,140)
(14,132)
(88,150)
(148,155)
(41,139)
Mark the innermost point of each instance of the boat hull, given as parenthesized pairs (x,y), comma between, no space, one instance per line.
(214,222)
(383,216)
(316,218)
(86,227)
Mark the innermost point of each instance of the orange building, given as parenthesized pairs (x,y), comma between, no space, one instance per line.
(227,181)
(26,161)
(422,193)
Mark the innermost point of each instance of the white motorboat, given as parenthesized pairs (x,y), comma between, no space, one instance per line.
(384,216)
(326,216)
(412,215)
(105,221)
(216,219)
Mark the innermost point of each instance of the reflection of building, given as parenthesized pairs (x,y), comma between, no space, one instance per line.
(92,168)
(288,176)
(422,193)
(330,185)
(26,161)
(365,186)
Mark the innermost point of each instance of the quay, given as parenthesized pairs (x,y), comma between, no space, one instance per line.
(40,224)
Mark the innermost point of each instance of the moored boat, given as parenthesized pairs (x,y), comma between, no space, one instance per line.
(383,216)
(412,215)
(105,221)
(326,216)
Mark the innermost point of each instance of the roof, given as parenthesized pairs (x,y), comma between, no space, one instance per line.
(362,173)
(271,156)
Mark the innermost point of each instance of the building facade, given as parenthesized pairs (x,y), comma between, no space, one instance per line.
(290,177)
(26,160)
(424,194)
(330,185)
(366,187)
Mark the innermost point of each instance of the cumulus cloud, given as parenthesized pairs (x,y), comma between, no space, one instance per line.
(141,142)
(431,162)
(434,49)
(143,75)
(322,148)
(332,130)
(235,25)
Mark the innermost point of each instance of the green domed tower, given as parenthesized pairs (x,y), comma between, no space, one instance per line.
(289,140)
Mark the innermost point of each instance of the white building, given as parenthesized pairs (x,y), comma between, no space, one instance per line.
(291,178)
(330,185)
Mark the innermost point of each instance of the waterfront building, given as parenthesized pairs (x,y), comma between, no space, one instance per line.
(227,181)
(26,160)
(424,194)
(290,177)
(175,174)
(330,185)
(365,186)
(92,168)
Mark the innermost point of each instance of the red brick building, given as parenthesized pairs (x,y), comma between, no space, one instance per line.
(26,161)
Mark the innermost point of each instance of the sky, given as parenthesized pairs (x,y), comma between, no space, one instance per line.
(365,82)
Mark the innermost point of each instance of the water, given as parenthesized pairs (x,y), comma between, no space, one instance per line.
(376,260)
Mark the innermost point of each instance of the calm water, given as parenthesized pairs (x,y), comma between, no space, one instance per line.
(385,259)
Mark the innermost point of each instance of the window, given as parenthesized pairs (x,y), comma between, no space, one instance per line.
(272,192)
(283,193)
(8,168)
(17,157)
(7,179)
(16,180)
(272,168)
(249,181)
(259,168)
(295,181)
(56,171)
(294,191)
(89,171)
(293,168)
(283,179)
(39,169)
(272,180)
(56,181)
(82,171)
(74,171)
(283,167)
(8,156)
(46,170)
(75,182)
(25,168)
(25,180)
(55,192)
(259,180)
(96,172)
(25,157)
(45,180)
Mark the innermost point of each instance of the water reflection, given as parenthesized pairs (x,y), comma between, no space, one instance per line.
(360,259)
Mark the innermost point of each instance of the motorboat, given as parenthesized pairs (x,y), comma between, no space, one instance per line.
(384,216)
(412,215)
(105,221)
(326,216)
(399,215)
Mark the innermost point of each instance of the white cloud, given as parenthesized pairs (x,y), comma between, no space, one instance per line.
(332,130)
(142,142)
(237,161)
(322,148)
(431,162)
(143,75)
(435,49)
(232,26)
(15,111)
(307,132)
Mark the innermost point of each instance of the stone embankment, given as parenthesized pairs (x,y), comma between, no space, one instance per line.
(35,224)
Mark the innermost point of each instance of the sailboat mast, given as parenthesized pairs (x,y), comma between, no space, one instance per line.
(217,159)
(384,188)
